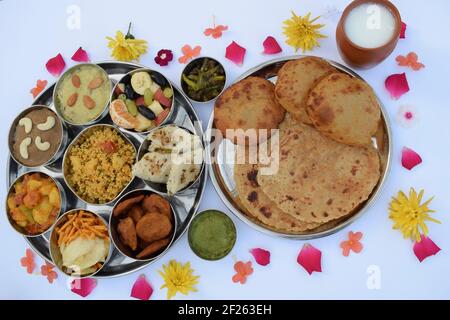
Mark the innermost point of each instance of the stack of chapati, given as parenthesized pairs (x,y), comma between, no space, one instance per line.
(327,166)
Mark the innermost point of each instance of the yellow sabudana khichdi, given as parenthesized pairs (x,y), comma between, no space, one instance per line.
(99,165)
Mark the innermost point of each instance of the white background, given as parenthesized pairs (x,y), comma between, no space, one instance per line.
(33,31)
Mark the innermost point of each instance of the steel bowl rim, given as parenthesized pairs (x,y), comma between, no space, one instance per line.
(62,207)
(58,221)
(196,217)
(175,226)
(57,84)
(195,60)
(307,236)
(148,70)
(63,171)
(14,124)
(141,146)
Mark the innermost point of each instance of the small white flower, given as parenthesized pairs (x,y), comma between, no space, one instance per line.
(407,116)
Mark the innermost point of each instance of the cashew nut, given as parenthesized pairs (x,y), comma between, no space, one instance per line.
(23,148)
(26,123)
(47,125)
(43,146)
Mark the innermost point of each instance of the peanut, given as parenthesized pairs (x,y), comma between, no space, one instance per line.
(72,99)
(95,83)
(76,81)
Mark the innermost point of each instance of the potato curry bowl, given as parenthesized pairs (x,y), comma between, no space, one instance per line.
(142,225)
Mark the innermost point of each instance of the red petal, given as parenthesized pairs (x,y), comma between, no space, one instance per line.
(410,158)
(261,256)
(141,289)
(83,287)
(310,258)
(403,31)
(235,53)
(271,46)
(425,248)
(80,55)
(56,65)
(397,85)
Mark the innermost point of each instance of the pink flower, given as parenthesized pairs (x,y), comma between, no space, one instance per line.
(142,289)
(310,258)
(261,256)
(410,158)
(397,85)
(163,57)
(235,53)
(425,248)
(83,287)
(80,55)
(56,65)
(271,46)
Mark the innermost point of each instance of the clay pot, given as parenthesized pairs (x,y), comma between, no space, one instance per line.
(365,58)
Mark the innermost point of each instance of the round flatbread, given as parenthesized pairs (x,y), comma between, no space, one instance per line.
(295,79)
(260,207)
(248,104)
(319,179)
(344,108)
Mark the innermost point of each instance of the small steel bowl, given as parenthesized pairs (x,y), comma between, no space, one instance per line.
(193,63)
(55,253)
(68,150)
(62,141)
(113,222)
(193,222)
(162,187)
(57,102)
(157,77)
(62,197)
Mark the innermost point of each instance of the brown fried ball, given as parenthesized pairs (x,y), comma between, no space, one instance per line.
(127,232)
(153,248)
(153,226)
(136,213)
(156,203)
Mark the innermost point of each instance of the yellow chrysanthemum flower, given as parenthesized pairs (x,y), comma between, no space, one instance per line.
(126,47)
(178,278)
(409,214)
(302,33)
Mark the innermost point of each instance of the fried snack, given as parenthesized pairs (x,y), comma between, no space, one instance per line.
(136,213)
(125,205)
(81,224)
(248,104)
(344,108)
(259,206)
(156,203)
(153,226)
(127,232)
(319,179)
(153,248)
(295,79)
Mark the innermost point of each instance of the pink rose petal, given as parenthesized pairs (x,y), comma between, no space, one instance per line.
(403,31)
(141,289)
(425,248)
(397,85)
(56,65)
(261,256)
(83,287)
(271,46)
(235,53)
(310,258)
(80,55)
(410,158)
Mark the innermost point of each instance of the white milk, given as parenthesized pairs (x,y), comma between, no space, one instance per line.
(370,25)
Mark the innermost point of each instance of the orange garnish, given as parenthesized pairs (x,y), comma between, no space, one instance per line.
(81,224)
(410,60)
(189,53)
(28,261)
(243,270)
(215,31)
(40,85)
(352,243)
(47,270)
